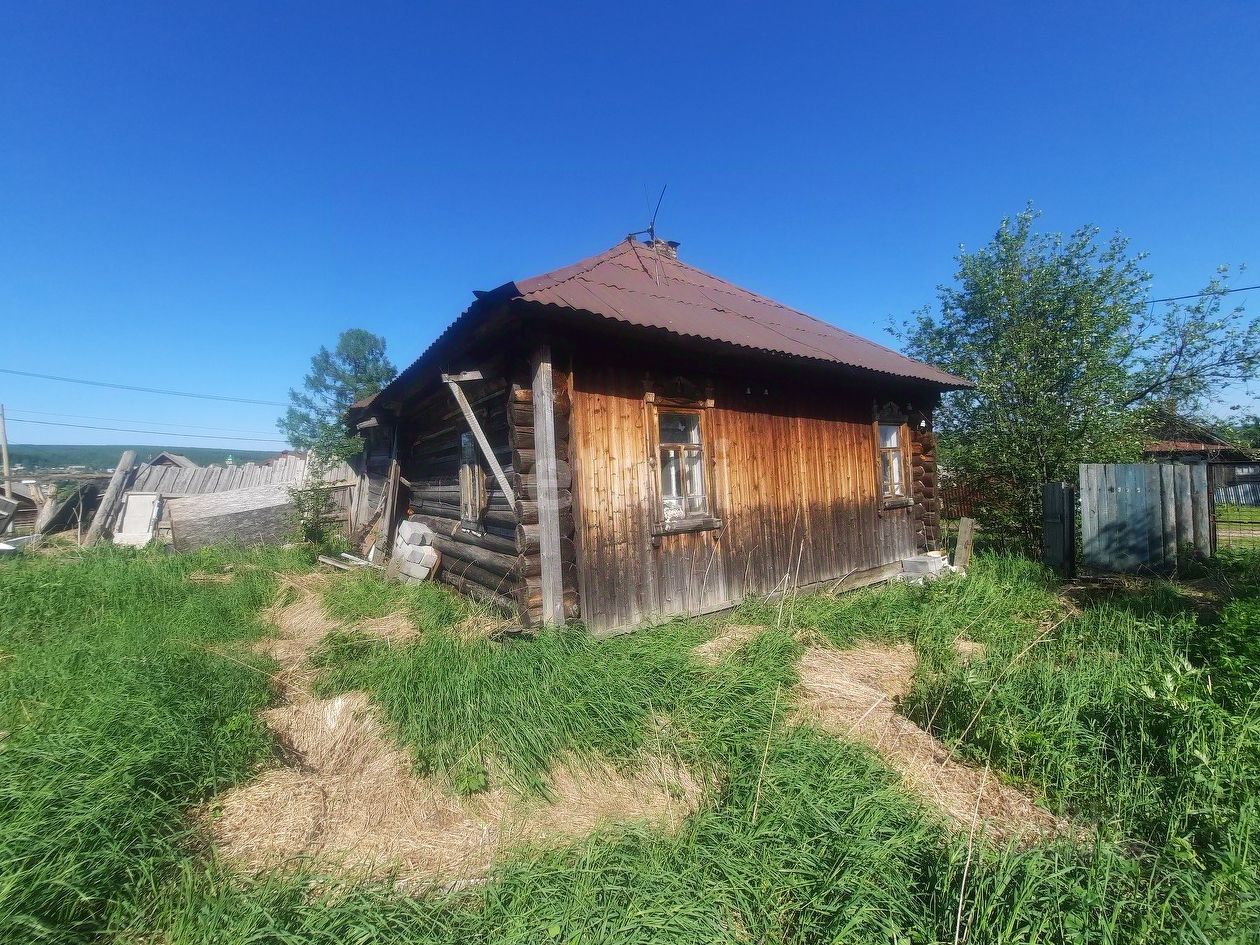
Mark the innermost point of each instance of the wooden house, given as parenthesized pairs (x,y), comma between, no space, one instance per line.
(1172,438)
(167,458)
(629,438)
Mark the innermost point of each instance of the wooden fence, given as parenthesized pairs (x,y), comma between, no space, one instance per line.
(1139,516)
(1235,504)
(198,480)
(958,499)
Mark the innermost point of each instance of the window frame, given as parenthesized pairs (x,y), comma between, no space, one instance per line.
(693,522)
(891,416)
(472,484)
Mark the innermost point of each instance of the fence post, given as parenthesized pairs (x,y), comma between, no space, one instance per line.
(1058,528)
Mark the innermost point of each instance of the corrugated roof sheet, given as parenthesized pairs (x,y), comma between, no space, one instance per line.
(637,285)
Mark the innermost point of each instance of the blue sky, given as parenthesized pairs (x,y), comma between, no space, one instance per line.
(195,196)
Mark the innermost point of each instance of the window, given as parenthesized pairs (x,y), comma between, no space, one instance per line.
(472,482)
(892,461)
(683,494)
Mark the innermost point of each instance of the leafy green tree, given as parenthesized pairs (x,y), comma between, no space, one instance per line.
(357,367)
(1242,431)
(1066,355)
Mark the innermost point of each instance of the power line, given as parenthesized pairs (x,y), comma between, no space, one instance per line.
(144,390)
(157,423)
(1199,295)
(199,436)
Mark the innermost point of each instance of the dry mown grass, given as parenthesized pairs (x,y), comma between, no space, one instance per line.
(854,693)
(347,799)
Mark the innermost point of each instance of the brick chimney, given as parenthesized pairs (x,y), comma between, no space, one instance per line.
(667,248)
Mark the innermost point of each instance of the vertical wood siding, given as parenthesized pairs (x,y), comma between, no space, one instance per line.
(792,476)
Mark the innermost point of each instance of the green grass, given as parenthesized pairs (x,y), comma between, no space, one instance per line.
(130,701)
(1238,513)
(120,713)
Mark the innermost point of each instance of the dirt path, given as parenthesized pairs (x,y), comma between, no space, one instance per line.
(346,800)
(854,693)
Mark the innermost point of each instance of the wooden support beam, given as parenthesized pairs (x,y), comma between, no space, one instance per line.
(452,381)
(391,493)
(112,494)
(548,492)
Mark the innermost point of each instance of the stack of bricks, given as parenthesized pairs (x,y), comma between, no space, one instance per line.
(927,502)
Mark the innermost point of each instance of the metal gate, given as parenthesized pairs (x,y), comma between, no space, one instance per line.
(1140,516)
(1235,489)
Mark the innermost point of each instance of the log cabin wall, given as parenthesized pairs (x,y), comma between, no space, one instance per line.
(793,481)
(482,561)
(927,501)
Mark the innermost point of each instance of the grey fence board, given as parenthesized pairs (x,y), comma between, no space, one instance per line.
(1138,516)
(1185,507)
(1202,501)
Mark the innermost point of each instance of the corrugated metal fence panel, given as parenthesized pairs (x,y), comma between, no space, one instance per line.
(1240,493)
(1137,516)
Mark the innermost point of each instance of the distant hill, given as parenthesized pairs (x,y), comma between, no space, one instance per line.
(35,456)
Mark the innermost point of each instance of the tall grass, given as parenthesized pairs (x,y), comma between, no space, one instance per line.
(482,710)
(1138,714)
(120,712)
(805,838)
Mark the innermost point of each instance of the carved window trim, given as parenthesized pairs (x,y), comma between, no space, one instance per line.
(893,481)
(667,522)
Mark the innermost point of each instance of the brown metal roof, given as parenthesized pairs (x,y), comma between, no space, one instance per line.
(637,285)
(634,284)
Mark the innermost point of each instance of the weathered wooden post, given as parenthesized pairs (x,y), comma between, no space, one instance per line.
(1058,528)
(966,539)
(548,495)
(106,508)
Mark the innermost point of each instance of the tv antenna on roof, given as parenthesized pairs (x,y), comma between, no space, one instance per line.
(651,227)
(651,231)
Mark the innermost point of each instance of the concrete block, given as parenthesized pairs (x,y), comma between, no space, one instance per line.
(924,565)
(418,563)
(413,533)
(418,554)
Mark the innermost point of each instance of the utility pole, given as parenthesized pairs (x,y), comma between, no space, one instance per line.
(4,455)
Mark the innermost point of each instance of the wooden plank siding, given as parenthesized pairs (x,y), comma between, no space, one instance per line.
(792,475)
